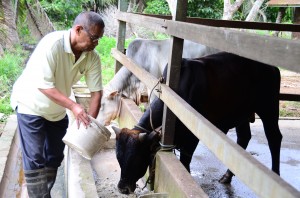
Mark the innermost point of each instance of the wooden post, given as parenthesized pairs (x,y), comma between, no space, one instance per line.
(173,74)
(122,6)
(296,35)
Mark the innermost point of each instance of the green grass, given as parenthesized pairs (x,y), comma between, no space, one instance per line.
(107,61)
(289,109)
(11,66)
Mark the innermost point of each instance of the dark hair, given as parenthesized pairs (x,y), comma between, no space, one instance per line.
(89,18)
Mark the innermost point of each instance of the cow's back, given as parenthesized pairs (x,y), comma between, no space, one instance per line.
(226,88)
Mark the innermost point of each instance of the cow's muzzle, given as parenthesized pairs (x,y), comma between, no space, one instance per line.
(126,187)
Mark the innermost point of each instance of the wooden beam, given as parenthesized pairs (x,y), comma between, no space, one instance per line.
(155,24)
(121,32)
(270,50)
(236,24)
(173,74)
(172,177)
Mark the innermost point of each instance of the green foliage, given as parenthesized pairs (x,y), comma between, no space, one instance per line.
(11,65)
(99,5)
(271,13)
(205,8)
(157,7)
(196,8)
(104,49)
(62,12)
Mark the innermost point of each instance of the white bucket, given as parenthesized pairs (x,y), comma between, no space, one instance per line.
(87,141)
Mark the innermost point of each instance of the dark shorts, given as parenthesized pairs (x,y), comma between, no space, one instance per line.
(41,141)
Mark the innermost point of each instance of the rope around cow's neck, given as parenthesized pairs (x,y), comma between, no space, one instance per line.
(163,147)
(160,80)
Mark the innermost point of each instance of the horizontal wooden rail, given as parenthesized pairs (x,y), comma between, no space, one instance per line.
(259,178)
(266,49)
(270,50)
(155,24)
(289,97)
(235,24)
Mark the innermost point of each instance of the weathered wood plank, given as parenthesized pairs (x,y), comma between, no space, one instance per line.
(172,177)
(270,50)
(121,32)
(173,74)
(155,24)
(235,24)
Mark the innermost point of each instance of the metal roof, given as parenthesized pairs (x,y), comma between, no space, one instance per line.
(284,3)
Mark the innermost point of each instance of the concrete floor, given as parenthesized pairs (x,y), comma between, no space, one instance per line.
(207,169)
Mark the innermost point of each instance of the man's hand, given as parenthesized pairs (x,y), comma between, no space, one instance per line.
(60,99)
(80,115)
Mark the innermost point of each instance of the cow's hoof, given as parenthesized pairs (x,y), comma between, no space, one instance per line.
(226,178)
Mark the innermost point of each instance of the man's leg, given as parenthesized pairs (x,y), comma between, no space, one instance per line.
(32,139)
(54,148)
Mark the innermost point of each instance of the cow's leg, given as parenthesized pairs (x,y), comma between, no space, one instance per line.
(274,138)
(187,148)
(243,133)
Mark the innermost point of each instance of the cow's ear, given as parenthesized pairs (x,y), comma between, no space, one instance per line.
(117,131)
(112,95)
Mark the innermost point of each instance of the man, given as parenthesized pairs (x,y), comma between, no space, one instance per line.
(41,96)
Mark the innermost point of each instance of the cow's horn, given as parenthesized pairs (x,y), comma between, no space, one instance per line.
(142,136)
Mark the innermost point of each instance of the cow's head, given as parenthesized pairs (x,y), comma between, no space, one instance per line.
(110,106)
(135,151)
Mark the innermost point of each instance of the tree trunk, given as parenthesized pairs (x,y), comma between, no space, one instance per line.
(172,6)
(9,25)
(230,9)
(38,21)
(136,6)
(296,35)
(1,51)
(280,15)
(254,10)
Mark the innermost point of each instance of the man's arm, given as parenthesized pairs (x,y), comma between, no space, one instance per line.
(56,96)
(95,103)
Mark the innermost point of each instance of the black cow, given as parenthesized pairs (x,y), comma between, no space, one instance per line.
(227,90)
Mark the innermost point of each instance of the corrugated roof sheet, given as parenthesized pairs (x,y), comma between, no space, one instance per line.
(284,3)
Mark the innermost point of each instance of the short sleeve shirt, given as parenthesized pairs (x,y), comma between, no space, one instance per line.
(52,65)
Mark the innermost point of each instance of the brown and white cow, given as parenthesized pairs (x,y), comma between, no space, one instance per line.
(226,89)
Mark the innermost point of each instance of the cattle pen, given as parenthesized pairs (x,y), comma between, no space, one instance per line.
(224,36)
(171,176)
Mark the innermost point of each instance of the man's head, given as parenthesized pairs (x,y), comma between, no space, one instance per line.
(88,28)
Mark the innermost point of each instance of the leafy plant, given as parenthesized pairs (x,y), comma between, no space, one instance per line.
(157,7)
(62,12)
(107,61)
(11,65)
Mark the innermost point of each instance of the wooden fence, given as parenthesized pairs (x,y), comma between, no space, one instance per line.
(266,49)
